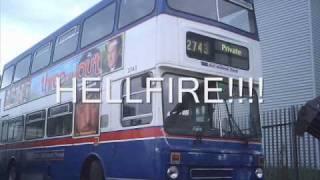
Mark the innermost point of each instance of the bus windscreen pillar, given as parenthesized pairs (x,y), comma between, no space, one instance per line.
(309,118)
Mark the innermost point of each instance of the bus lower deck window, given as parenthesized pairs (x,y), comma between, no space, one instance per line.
(35,123)
(60,120)
(136,114)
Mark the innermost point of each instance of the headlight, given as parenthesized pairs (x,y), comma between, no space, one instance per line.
(173,172)
(259,173)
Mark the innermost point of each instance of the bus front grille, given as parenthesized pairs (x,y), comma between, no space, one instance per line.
(211,173)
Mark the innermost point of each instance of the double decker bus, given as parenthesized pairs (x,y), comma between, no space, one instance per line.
(117,40)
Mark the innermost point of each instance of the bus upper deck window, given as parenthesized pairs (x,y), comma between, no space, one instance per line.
(22,69)
(7,77)
(132,10)
(203,8)
(66,43)
(41,57)
(237,16)
(99,25)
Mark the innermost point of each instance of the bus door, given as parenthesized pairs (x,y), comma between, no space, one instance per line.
(134,148)
(109,113)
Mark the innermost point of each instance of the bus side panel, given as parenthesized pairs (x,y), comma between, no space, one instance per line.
(129,159)
(33,165)
(55,162)
(69,166)
(3,161)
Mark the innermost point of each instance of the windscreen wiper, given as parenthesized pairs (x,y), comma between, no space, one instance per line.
(232,122)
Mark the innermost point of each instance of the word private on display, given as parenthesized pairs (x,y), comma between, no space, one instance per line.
(207,90)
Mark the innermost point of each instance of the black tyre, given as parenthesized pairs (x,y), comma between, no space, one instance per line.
(12,173)
(96,171)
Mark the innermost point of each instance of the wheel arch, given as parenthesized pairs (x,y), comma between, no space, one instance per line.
(87,162)
(12,161)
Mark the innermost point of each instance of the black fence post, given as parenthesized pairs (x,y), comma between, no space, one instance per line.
(294,144)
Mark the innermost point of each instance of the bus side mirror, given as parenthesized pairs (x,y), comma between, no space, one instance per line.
(309,119)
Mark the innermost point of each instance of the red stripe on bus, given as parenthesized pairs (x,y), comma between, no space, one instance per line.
(132,134)
(107,136)
(111,136)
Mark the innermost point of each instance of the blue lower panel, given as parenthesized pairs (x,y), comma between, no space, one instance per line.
(132,159)
(140,159)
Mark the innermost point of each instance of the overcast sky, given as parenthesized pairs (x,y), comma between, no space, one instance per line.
(23,23)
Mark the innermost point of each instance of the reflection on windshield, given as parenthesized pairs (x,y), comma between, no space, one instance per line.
(236,16)
(226,12)
(239,120)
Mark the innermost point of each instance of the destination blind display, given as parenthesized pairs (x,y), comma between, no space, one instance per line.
(216,51)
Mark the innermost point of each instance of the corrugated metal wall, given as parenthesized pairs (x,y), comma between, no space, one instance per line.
(286,36)
(290,41)
(315,8)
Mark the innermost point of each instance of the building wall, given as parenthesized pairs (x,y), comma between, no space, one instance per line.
(286,34)
(290,41)
(315,15)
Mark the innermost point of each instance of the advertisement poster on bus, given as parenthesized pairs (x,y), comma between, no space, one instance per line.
(113,55)
(106,58)
(17,94)
(87,115)
(41,85)
(45,83)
